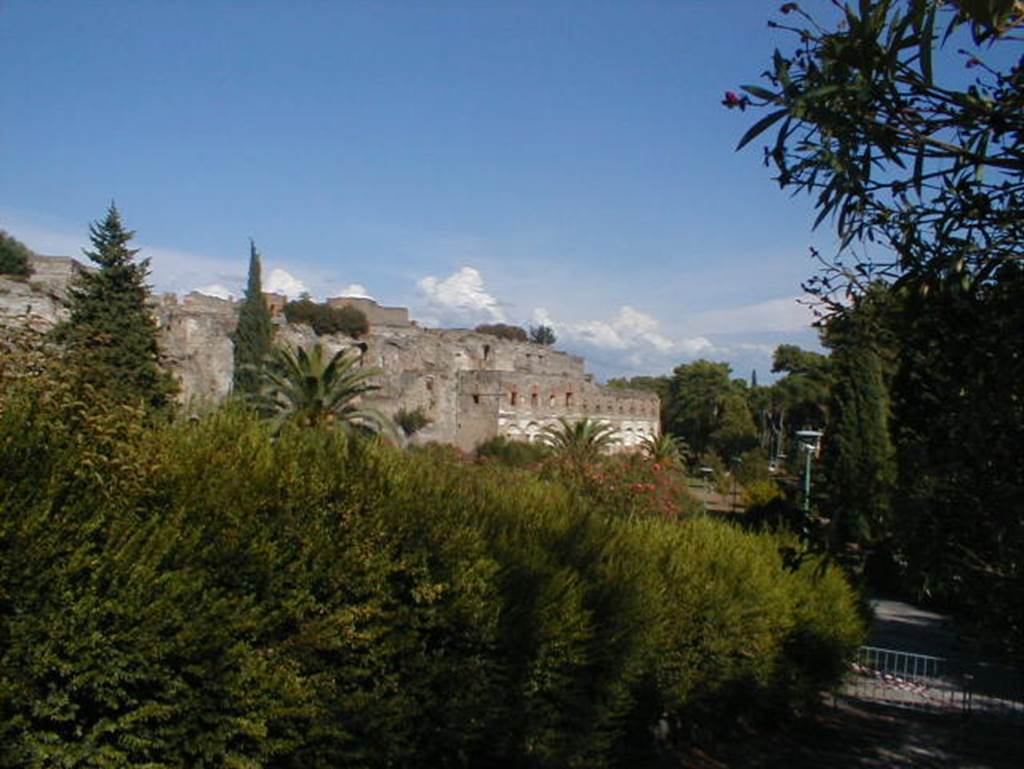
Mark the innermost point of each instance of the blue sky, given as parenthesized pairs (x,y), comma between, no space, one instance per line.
(475,161)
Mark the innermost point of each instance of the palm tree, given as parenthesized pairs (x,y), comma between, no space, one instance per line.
(665,449)
(312,390)
(582,441)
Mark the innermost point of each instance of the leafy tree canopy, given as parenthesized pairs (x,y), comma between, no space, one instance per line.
(542,335)
(695,401)
(896,145)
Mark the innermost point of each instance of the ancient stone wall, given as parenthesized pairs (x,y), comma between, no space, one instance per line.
(520,405)
(38,300)
(471,386)
(375,314)
(195,342)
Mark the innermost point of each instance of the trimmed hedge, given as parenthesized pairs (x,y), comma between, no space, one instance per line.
(208,594)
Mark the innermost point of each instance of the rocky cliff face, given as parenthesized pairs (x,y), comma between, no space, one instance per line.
(195,343)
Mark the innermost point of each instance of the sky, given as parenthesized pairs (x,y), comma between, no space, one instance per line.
(567,163)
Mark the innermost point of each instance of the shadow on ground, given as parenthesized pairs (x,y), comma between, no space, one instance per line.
(857,735)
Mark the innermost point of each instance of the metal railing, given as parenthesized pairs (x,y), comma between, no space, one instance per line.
(922,682)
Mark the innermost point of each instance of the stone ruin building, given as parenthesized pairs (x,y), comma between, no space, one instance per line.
(471,386)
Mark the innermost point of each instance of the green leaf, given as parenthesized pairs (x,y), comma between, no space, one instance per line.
(760,92)
(925,47)
(760,126)
(919,169)
(781,68)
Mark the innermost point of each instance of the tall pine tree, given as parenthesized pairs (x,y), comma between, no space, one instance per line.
(254,334)
(111,334)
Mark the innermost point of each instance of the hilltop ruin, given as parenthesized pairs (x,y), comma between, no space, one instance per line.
(471,386)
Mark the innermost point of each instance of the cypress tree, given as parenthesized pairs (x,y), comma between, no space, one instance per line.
(253,336)
(859,456)
(111,334)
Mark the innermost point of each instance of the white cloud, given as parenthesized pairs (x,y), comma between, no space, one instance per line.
(630,329)
(215,290)
(787,314)
(460,298)
(281,282)
(630,342)
(354,291)
(642,327)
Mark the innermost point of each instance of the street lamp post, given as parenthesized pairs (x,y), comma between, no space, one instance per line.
(706,474)
(810,442)
(736,462)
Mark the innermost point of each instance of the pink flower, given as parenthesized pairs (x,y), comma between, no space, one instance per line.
(733,100)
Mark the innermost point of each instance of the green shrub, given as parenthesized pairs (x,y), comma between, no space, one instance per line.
(14,257)
(324,319)
(512,453)
(760,494)
(411,421)
(504,331)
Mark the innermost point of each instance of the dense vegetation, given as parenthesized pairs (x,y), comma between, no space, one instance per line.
(325,319)
(216,592)
(14,257)
(903,120)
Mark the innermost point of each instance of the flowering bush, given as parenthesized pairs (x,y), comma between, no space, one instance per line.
(629,486)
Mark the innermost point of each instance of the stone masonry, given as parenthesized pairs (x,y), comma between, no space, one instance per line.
(471,386)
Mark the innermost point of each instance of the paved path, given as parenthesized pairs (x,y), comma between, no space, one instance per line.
(908,628)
